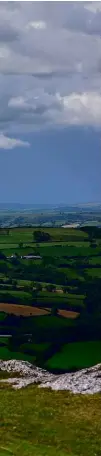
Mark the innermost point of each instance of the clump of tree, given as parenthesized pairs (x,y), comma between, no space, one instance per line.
(51,288)
(41,236)
(7,231)
(38,287)
(54,311)
(93,244)
(48,261)
(2,256)
(14,284)
(20,245)
(93,298)
(65,289)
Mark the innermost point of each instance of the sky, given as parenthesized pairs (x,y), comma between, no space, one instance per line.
(50,102)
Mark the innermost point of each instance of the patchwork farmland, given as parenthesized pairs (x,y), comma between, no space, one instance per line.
(50,292)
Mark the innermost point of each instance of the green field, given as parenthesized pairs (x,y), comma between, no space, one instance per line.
(95,260)
(94,272)
(69,263)
(6,354)
(76,356)
(41,422)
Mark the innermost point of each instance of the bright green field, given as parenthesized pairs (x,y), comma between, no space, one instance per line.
(76,355)
(55,233)
(6,354)
(51,249)
(41,422)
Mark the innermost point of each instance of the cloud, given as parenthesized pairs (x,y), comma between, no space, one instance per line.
(84,18)
(82,109)
(37,25)
(17,102)
(94,7)
(11,143)
(48,49)
(41,109)
(8,33)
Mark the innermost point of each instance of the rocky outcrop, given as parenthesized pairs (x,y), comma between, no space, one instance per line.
(85,381)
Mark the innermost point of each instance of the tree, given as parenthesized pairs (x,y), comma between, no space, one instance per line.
(93,299)
(37,246)
(2,256)
(10,281)
(50,287)
(14,283)
(65,289)
(48,261)
(7,231)
(41,236)
(54,311)
(38,287)
(20,245)
(93,244)
(34,296)
(26,287)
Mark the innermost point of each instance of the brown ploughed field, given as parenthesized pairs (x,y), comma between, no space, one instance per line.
(68,313)
(26,311)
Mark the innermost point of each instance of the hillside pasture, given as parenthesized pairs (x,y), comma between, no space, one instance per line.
(41,422)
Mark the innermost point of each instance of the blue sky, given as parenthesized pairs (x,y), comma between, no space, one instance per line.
(50,102)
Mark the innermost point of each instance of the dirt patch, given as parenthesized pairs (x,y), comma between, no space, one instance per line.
(68,313)
(26,311)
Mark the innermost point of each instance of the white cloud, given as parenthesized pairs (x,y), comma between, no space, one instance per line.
(11,143)
(38,25)
(82,109)
(41,109)
(17,102)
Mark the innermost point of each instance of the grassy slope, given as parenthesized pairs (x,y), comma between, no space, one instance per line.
(38,422)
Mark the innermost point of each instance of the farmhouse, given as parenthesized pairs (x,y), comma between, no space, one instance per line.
(26,257)
(31,257)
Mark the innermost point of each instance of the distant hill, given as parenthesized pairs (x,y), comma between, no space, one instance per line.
(20,207)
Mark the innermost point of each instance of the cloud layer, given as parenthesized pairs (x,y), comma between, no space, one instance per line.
(50,66)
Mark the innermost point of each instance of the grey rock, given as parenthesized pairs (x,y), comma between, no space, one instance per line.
(85,381)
